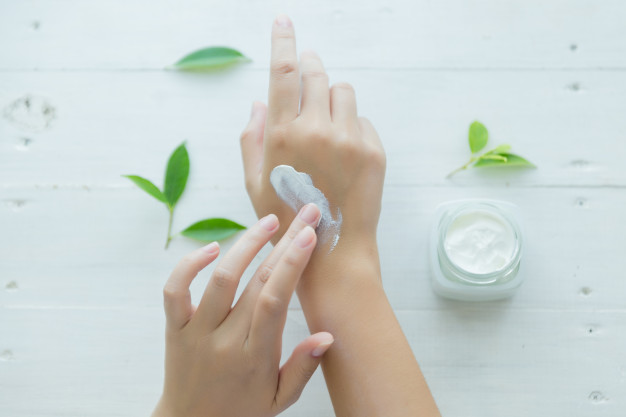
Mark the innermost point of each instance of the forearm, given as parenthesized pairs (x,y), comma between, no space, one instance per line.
(370,370)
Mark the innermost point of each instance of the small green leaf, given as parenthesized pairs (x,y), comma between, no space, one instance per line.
(511,160)
(478,136)
(499,149)
(176,175)
(209,230)
(494,157)
(210,58)
(147,186)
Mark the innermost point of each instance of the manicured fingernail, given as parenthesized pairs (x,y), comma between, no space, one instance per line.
(269,222)
(310,214)
(284,21)
(211,248)
(305,237)
(321,348)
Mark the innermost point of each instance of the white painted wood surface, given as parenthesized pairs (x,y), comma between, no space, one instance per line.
(81,258)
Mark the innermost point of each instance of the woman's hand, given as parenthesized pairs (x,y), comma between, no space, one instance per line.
(326,139)
(223,361)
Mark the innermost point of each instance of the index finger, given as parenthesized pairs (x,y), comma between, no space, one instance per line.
(309,215)
(270,313)
(284,91)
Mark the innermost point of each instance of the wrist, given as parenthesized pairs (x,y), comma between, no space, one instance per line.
(343,294)
(354,263)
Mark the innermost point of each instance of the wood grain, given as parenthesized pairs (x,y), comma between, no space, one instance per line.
(132,34)
(108,122)
(82,263)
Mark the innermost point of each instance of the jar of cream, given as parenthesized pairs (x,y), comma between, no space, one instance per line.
(476,250)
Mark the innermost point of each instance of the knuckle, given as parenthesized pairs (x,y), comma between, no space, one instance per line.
(306,373)
(279,137)
(314,76)
(186,261)
(348,147)
(222,278)
(345,135)
(343,86)
(264,273)
(376,156)
(365,126)
(283,68)
(319,133)
(294,397)
(292,259)
(246,134)
(291,233)
(250,184)
(221,349)
(170,293)
(271,304)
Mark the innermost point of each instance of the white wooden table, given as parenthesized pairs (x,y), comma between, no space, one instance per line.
(81,249)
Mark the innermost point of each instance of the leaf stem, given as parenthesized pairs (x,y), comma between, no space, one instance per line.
(459,169)
(169,226)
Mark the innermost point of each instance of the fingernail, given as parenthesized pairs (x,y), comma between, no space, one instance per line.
(310,214)
(321,348)
(211,248)
(305,237)
(283,21)
(269,222)
(253,110)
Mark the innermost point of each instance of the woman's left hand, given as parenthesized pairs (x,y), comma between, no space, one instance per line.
(225,361)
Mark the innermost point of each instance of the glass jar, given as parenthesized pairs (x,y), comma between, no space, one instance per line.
(476,250)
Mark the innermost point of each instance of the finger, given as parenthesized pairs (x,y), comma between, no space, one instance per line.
(315,95)
(270,311)
(343,103)
(284,91)
(176,296)
(309,215)
(252,145)
(299,368)
(368,132)
(220,291)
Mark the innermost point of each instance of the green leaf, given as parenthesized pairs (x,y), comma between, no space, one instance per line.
(499,149)
(511,160)
(176,175)
(147,186)
(478,136)
(494,157)
(210,58)
(209,230)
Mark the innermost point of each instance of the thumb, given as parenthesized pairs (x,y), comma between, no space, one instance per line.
(252,144)
(299,368)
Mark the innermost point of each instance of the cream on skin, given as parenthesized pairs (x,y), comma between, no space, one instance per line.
(480,242)
(297,190)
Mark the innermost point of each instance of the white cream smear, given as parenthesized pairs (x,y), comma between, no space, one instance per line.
(480,242)
(297,190)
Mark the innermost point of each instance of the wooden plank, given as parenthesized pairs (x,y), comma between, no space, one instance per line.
(123,34)
(104,247)
(108,124)
(108,362)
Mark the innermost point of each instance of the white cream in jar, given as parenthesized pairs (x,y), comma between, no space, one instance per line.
(476,250)
(479,241)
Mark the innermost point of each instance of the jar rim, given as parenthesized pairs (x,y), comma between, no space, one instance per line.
(472,277)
